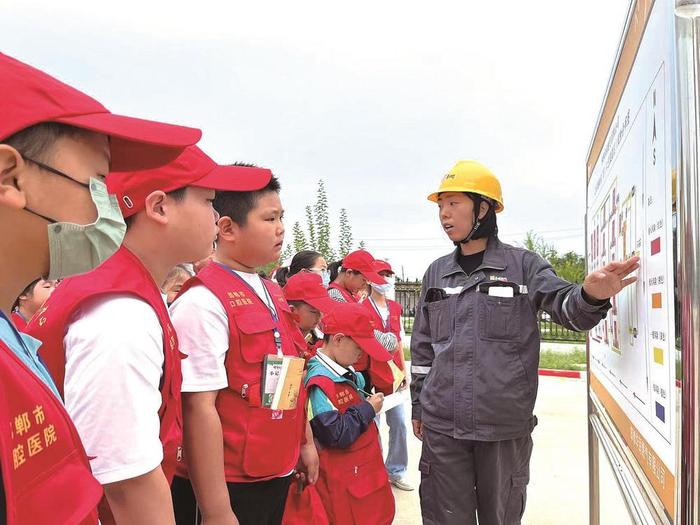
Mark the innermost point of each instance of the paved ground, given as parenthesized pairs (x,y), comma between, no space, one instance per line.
(558,490)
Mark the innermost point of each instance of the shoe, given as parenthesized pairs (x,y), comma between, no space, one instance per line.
(401,485)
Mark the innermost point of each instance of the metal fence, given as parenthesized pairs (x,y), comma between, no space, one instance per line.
(408,293)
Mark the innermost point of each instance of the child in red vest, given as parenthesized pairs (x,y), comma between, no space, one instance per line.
(356,273)
(109,342)
(240,453)
(387,314)
(30,300)
(353,483)
(56,144)
(308,299)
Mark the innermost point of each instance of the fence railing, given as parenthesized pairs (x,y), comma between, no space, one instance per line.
(408,293)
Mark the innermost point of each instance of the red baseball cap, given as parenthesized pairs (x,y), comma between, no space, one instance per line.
(192,168)
(382,266)
(355,321)
(308,287)
(362,261)
(30,96)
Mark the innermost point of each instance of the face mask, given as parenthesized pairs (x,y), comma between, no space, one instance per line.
(326,277)
(383,289)
(76,248)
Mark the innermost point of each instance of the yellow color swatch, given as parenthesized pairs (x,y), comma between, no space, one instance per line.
(659,355)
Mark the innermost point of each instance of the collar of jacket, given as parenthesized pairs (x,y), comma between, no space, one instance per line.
(494,259)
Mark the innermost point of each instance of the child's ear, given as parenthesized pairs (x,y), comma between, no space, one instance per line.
(155,207)
(228,230)
(12,167)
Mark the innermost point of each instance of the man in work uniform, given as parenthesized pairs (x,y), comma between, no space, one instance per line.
(475,353)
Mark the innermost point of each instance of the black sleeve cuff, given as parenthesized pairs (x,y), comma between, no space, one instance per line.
(591,300)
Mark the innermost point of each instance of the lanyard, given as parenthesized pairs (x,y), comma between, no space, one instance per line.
(344,376)
(387,323)
(269,305)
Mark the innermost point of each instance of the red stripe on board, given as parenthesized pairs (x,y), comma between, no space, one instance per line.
(656,246)
(572,374)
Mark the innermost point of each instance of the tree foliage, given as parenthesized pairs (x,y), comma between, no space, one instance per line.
(570,265)
(345,238)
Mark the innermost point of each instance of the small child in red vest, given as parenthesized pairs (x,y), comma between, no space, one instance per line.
(30,300)
(308,300)
(241,453)
(353,482)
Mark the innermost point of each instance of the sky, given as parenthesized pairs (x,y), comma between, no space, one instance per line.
(378,99)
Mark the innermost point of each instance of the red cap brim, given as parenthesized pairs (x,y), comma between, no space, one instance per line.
(137,144)
(234,178)
(323,305)
(373,277)
(371,346)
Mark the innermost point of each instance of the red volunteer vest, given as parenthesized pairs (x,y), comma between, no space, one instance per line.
(353,483)
(393,325)
(347,295)
(123,273)
(19,321)
(45,472)
(259,443)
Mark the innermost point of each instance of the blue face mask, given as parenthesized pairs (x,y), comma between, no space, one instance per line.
(383,289)
(326,277)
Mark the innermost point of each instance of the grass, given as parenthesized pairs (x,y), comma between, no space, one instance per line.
(575,360)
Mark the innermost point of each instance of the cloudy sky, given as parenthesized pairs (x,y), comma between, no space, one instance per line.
(379,99)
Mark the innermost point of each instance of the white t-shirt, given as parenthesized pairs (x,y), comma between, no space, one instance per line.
(201,324)
(114,365)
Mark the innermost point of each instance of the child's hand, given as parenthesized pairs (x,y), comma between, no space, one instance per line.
(376,400)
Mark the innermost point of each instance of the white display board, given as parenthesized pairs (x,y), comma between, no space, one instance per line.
(629,212)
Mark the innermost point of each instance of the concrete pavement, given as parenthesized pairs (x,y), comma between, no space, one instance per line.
(558,490)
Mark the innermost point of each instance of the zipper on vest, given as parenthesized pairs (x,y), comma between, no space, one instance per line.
(244,391)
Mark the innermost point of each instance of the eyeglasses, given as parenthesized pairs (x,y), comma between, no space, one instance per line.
(48,168)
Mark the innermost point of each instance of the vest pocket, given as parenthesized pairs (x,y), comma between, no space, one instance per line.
(256,339)
(271,445)
(371,500)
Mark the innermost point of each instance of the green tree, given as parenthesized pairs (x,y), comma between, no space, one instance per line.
(299,239)
(345,240)
(313,244)
(322,223)
(570,266)
(535,243)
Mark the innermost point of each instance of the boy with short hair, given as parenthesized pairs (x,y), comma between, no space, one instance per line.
(109,342)
(240,454)
(56,146)
(353,483)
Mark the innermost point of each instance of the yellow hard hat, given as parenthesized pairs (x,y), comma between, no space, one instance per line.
(473,177)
